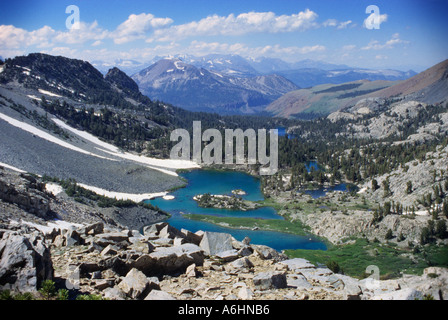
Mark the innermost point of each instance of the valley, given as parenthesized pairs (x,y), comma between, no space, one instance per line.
(97,150)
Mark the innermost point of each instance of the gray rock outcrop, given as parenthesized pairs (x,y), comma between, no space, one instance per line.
(213,243)
(24,262)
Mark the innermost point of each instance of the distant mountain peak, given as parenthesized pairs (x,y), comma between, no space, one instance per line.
(121,81)
(209,84)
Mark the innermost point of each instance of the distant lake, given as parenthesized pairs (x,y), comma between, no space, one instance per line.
(223,182)
(322,191)
(282,132)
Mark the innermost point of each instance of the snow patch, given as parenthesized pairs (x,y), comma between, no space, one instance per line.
(48,93)
(53,188)
(123,196)
(85,135)
(218,74)
(152,163)
(11,167)
(363,190)
(34,97)
(176,64)
(46,136)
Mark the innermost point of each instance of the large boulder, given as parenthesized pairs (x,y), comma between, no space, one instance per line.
(297,263)
(191,237)
(267,253)
(159,295)
(169,260)
(404,294)
(170,232)
(135,285)
(93,229)
(270,280)
(214,242)
(25,262)
(154,229)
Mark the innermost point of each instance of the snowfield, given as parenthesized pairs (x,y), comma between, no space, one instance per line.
(48,93)
(46,136)
(156,164)
(114,151)
(124,196)
(11,167)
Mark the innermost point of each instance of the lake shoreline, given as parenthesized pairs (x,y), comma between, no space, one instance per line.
(197,180)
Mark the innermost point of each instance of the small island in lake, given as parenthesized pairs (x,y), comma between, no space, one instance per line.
(239,192)
(219,201)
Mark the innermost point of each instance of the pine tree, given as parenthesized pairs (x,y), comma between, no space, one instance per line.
(425,236)
(409,187)
(445,208)
(389,235)
(440,231)
(386,187)
(375,185)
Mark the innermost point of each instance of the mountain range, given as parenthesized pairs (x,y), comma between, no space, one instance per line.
(231,84)
(199,89)
(61,117)
(224,84)
(429,86)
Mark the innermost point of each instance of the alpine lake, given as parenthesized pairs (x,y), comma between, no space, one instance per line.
(185,211)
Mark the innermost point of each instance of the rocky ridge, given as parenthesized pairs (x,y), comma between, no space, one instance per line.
(165,263)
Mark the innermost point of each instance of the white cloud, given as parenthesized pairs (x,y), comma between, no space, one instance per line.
(376,45)
(45,37)
(84,32)
(344,24)
(336,24)
(15,38)
(201,48)
(136,27)
(381,57)
(245,23)
(349,47)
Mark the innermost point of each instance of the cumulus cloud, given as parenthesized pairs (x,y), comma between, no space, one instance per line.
(14,38)
(376,45)
(337,24)
(84,32)
(232,25)
(136,27)
(349,47)
(200,48)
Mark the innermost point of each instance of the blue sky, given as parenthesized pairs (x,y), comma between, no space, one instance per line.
(412,34)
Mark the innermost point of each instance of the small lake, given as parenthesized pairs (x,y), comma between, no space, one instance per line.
(323,190)
(223,182)
(282,133)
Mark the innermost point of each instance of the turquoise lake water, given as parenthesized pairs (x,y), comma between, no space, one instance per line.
(223,182)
